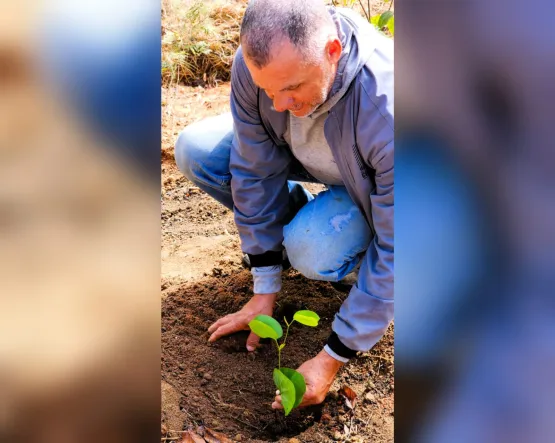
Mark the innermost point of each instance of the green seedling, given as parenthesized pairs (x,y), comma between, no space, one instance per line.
(290,383)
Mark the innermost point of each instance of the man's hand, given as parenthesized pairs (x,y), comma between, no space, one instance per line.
(319,374)
(239,321)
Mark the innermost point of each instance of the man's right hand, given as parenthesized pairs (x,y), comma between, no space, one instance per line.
(239,321)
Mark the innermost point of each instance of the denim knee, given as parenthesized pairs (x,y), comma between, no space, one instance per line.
(327,237)
(202,151)
(186,153)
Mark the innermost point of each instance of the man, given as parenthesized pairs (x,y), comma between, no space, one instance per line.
(311,100)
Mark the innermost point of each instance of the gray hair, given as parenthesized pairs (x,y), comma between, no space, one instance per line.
(266,22)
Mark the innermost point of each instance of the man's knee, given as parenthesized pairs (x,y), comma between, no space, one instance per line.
(321,254)
(327,237)
(186,152)
(202,149)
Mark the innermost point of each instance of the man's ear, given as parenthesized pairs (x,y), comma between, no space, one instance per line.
(333,50)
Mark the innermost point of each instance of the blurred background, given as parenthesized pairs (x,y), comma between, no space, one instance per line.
(80,230)
(79,221)
(475,329)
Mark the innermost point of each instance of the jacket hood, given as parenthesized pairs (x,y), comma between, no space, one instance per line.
(358,39)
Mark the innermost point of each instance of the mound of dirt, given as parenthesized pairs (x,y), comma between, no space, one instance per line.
(224,387)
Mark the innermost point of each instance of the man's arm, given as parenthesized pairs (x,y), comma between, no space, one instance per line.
(368,310)
(366,313)
(259,172)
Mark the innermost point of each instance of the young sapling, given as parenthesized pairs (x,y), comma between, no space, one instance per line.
(290,383)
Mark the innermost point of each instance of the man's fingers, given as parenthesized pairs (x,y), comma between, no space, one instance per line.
(252,341)
(277,405)
(226,329)
(218,323)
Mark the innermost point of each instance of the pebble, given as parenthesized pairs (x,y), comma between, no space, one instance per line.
(207,376)
(337,436)
(238,437)
(294,440)
(370,397)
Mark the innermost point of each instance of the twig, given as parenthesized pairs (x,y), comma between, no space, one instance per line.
(170,438)
(390,5)
(383,358)
(367,14)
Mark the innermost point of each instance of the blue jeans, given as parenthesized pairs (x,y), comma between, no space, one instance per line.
(327,236)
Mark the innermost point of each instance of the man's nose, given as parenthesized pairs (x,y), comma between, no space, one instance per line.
(282,103)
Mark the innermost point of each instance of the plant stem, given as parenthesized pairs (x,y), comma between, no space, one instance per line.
(367,14)
(287,331)
(279,354)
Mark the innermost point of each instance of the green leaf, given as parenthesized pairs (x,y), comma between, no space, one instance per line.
(281,346)
(307,318)
(286,390)
(266,327)
(391,25)
(375,20)
(298,381)
(384,19)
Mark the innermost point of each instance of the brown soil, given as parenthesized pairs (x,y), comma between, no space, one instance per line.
(203,279)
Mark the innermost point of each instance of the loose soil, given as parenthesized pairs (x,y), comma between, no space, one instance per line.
(221,386)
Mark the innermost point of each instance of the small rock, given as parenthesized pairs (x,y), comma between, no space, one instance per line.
(370,385)
(294,440)
(207,376)
(238,437)
(338,436)
(370,397)
(216,423)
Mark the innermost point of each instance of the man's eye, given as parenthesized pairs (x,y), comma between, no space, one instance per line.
(292,88)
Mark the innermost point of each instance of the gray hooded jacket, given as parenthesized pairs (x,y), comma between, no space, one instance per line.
(359,132)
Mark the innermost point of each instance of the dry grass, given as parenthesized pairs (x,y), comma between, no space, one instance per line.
(199,39)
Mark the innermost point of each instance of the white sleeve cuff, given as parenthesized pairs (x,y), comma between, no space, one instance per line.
(267,279)
(334,355)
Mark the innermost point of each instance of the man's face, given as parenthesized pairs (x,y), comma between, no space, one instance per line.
(293,84)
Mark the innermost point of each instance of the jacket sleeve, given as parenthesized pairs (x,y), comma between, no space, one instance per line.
(259,171)
(366,313)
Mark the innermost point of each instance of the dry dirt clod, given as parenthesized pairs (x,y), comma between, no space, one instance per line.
(207,376)
(238,438)
(369,397)
(294,440)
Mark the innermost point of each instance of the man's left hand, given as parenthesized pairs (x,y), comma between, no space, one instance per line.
(319,374)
